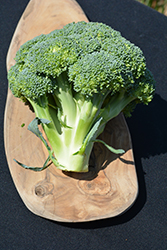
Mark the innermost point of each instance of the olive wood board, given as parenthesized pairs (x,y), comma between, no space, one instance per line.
(109,188)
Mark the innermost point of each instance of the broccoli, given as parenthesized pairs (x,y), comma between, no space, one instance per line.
(77,79)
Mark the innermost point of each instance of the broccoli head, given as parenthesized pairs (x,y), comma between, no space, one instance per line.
(77,79)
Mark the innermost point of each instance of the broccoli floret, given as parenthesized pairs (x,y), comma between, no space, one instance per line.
(77,79)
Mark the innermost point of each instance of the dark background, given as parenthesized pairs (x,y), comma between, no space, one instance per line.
(144,225)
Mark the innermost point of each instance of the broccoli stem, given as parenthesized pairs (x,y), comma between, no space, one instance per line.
(115,105)
(74,136)
(64,140)
(87,116)
(71,126)
(67,140)
(63,97)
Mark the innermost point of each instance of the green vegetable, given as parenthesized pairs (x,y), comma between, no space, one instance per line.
(77,79)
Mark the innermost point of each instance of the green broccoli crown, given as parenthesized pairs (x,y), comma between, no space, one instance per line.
(96,58)
(76,80)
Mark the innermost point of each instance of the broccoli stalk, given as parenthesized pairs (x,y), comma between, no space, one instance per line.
(68,128)
(77,79)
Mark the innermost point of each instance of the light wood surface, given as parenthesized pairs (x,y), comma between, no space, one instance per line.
(109,188)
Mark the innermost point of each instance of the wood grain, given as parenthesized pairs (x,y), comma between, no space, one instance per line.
(109,188)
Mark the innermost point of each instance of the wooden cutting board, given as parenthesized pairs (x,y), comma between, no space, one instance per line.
(105,191)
